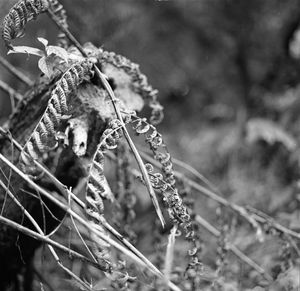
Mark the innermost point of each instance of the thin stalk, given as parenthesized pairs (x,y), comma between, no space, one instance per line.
(91,228)
(13,94)
(215,232)
(170,252)
(17,73)
(113,100)
(212,195)
(41,237)
(67,193)
(40,231)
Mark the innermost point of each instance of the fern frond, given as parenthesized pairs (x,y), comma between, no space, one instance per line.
(177,210)
(140,83)
(157,145)
(97,186)
(44,137)
(61,17)
(18,16)
(98,189)
(178,213)
(126,192)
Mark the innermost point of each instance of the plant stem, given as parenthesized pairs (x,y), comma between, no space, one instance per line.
(67,193)
(215,232)
(10,91)
(113,99)
(91,228)
(22,77)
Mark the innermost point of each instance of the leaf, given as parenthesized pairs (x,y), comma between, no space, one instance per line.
(270,132)
(58,51)
(43,66)
(52,65)
(48,65)
(26,50)
(55,50)
(43,41)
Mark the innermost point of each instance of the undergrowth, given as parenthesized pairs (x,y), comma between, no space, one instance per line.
(104,240)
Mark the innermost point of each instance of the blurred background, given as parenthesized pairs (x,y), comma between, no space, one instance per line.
(228,74)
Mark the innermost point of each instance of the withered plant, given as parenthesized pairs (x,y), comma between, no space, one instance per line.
(70,163)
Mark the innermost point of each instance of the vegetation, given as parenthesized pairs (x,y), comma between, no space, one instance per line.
(91,194)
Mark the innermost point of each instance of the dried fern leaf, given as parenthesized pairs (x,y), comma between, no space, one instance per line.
(18,16)
(154,140)
(61,17)
(138,81)
(44,136)
(98,189)
(97,186)
(127,195)
(177,210)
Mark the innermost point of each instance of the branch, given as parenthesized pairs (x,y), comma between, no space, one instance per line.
(22,77)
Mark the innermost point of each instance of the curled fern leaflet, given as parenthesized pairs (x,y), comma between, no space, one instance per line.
(44,137)
(18,16)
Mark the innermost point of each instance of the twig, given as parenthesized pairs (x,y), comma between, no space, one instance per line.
(13,94)
(211,195)
(22,77)
(66,192)
(212,229)
(49,241)
(40,231)
(113,100)
(92,229)
(78,232)
(170,252)
(233,248)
